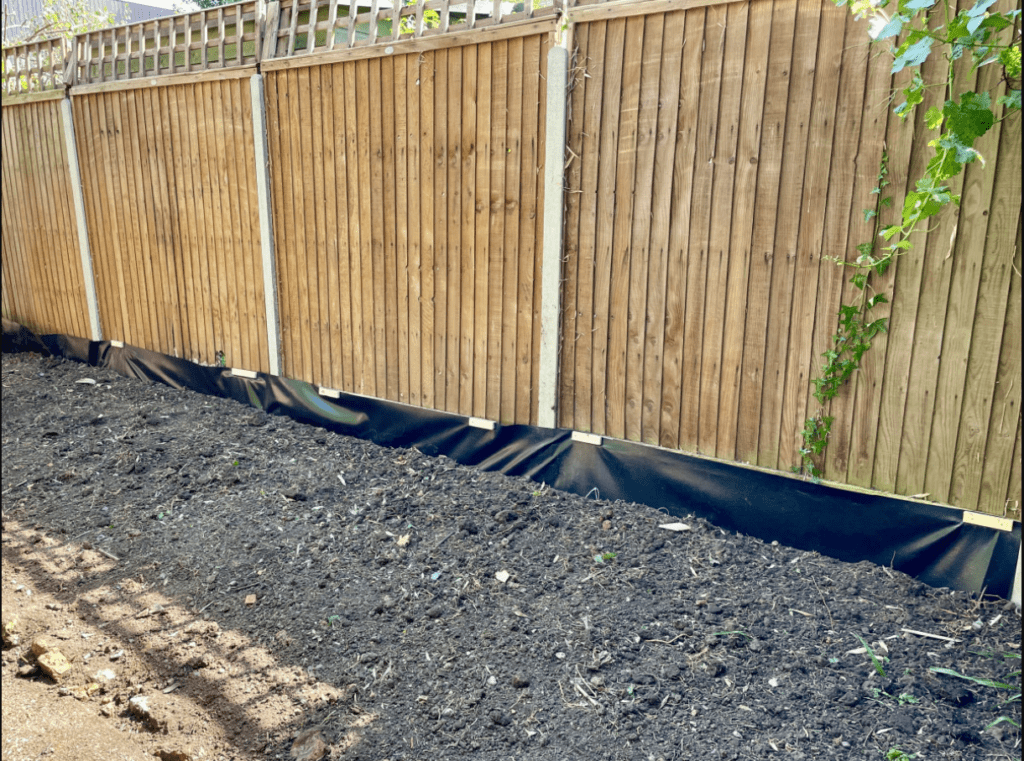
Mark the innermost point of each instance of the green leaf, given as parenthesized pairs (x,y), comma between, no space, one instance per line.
(869,214)
(1010,60)
(1011,100)
(943,164)
(922,205)
(917,5)
(914,55)
(859,281)
(893,27)
(933,117)
(970,118)
(975,679)
(890,231)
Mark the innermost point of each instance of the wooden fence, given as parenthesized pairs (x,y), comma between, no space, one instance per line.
(718,156)
(408,235)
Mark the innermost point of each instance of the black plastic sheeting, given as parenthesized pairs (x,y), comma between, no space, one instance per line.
(929,542)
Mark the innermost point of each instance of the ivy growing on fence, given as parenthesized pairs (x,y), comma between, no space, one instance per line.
(918,29)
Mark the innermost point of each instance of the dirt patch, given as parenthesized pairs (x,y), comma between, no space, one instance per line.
(223,581)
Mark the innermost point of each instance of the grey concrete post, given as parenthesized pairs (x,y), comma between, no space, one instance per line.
(259,124)
(551,263)
(95,333)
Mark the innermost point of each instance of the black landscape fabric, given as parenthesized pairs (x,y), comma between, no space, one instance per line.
(928,542)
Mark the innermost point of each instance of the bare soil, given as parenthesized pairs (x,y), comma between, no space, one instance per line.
(252,578)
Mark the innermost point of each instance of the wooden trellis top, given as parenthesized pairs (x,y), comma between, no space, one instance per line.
(35,67)
(245,33)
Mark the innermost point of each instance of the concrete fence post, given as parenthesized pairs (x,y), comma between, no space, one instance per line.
(551,262)
(259,124)
(88,276)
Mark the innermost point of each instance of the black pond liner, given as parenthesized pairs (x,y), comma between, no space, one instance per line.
(929,542)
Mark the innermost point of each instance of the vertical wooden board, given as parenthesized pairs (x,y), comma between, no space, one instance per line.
(607,211)
(794,161)
(441,250)
(275,156)
(377,224)
(332,98)
(1012,506)
(19,300)
(538,217)
(309,285)
(467,268)
(90,160)
(53,271)
(869,153)
(414,192)
(428,207)
(36,272)
(744,192)
(698,252)
(634,312)
(968,260)
(576,97)
(401,128)
(851,97)
(336,97)
(144,295)
(168,237)
(980,388)
(660,221)
(142,196)
(355,107)
(762,247)
(226,253)
(510,245)
(288,248)
(814,206)
(388,130)
(482,191)
(131,329)
(527,233)
(229,136)
(720,252)
(679,232)
(593,61)
(144,308)
(320,336)
(186,274)
(52,195)
(454,199)
(210,168)
(496,227)
(900,341)
(999,487)
(245,151)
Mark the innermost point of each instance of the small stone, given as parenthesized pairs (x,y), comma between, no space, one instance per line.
(175,754)
(435,612)
(501,718)
(309,746)
(502,576)
(117,656)
(108,710)
(141,707)
(606,525)
(54,664)
(43,644)
(250,600)
(10,633)
(105,676)
(755,645)
(519,681)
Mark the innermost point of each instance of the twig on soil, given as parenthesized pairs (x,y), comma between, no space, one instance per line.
(932,636)
(102,551)
(832,623)
(668,641)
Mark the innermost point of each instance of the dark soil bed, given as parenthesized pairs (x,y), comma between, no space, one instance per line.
(265,577)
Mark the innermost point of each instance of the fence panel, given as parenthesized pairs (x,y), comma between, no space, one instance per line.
(410,269)
(43,286)
(702,295)
(173,219)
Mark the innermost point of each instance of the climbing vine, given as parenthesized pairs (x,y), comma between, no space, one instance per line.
(918,29)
